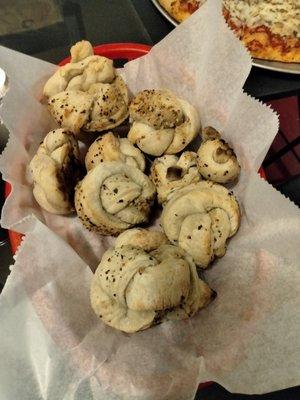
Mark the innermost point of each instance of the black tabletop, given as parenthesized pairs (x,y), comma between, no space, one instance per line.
(47,29)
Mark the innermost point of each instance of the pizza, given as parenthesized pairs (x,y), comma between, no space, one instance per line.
(181,9)
(270,29)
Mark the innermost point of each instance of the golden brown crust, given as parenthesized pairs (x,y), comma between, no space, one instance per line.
(180,9)
(265,45)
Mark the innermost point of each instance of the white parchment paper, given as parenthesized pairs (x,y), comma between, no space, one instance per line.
(52,344)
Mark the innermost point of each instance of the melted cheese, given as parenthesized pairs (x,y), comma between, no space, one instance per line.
(280,16)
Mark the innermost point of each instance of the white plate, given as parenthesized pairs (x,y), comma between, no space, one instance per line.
(289,68)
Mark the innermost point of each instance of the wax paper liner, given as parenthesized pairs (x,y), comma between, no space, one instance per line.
(54,347)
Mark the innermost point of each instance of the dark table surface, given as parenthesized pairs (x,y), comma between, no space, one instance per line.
(47,28)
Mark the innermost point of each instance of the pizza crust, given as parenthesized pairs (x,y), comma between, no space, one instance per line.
(180,9)
(265,45)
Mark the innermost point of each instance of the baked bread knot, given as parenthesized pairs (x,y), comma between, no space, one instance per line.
(136,285)
(55,170)
(147,240)
(86,93)
(200,218)
(113,197)
(162,123)
(170,173)
(81,50)
(216,160)
(111,148)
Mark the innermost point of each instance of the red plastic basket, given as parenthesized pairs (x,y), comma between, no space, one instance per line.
(117,51)
(114,51)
